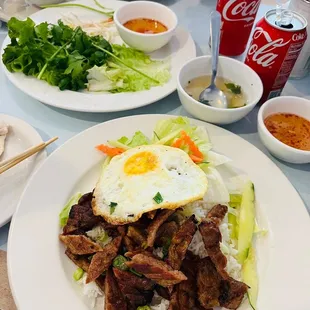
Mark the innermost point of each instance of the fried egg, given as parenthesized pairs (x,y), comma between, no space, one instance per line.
(147,178)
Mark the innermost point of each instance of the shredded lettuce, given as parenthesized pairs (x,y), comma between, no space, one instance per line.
(217,191)
(138,139)
(167,130)
(216,159)
(64,214)
(204,166)
(115,77)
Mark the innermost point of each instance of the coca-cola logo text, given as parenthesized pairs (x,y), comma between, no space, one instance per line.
(241,11)
(265,55)
(298,36)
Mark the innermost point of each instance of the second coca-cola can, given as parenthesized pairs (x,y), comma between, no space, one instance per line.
(302,65)
(236,24)
(273,51)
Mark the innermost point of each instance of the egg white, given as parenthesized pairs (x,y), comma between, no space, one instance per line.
(165,170)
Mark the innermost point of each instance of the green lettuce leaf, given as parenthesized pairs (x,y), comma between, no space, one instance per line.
(64,214)
(126,143)
(115,77)
(167,130)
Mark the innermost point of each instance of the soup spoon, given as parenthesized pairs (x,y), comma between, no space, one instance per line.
(212,96)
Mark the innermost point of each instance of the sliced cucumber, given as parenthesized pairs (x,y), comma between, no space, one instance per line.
(246,222)
(249,276)
(235,201)
(234,229)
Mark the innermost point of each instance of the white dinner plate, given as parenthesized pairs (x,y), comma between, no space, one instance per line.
(180,49)
(21,136)
(41,275)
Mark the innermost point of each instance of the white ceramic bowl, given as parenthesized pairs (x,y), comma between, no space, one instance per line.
(228,68)
(145,9)
(285,104)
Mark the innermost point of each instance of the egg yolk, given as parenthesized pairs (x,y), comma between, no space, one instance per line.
(141,163)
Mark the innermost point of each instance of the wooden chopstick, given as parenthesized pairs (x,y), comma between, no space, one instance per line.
(13,161)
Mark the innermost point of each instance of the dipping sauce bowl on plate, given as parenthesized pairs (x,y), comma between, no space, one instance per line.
(145,25)
(284,128)
(241,85)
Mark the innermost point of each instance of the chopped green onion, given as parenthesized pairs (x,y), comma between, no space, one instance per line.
(78,274)
(135,272)
(158,198)
(112,207)
(119,262)
(166,246)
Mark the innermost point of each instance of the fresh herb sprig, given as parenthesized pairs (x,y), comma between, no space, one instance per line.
(234,88)
(57,53)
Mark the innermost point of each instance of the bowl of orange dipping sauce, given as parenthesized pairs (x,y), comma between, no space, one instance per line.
(284,128)
(145,25)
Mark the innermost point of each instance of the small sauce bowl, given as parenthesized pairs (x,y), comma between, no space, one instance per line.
(230,69)
(284,104)
(145,9)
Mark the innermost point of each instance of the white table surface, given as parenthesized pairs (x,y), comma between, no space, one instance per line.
(193,15)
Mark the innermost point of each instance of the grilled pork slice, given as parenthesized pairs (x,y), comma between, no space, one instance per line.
(138,291)
(83,262)
(80,244)
(163,292)
(165,233)
(144,252)
(114,299)
(151,214)
(217,214)
(208,282)
(180,242)
(214,290)
(156,270)
(160,218)
(137,235)
(129,243)
(81,216)
(185,295)
(80,261)
(232,293)
(212,237)
(101,261)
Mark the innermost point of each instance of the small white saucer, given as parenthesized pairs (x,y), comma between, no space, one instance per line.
(21,136)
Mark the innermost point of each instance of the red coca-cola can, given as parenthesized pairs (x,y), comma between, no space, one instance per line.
(237,22)
(274,50)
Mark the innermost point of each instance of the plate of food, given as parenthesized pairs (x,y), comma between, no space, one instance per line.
(15,137)
(73,56)
(159,212)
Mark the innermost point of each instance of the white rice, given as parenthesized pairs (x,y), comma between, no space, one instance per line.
(99,235)
(158,252)
(90,290)
(233,268)
(159,303)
